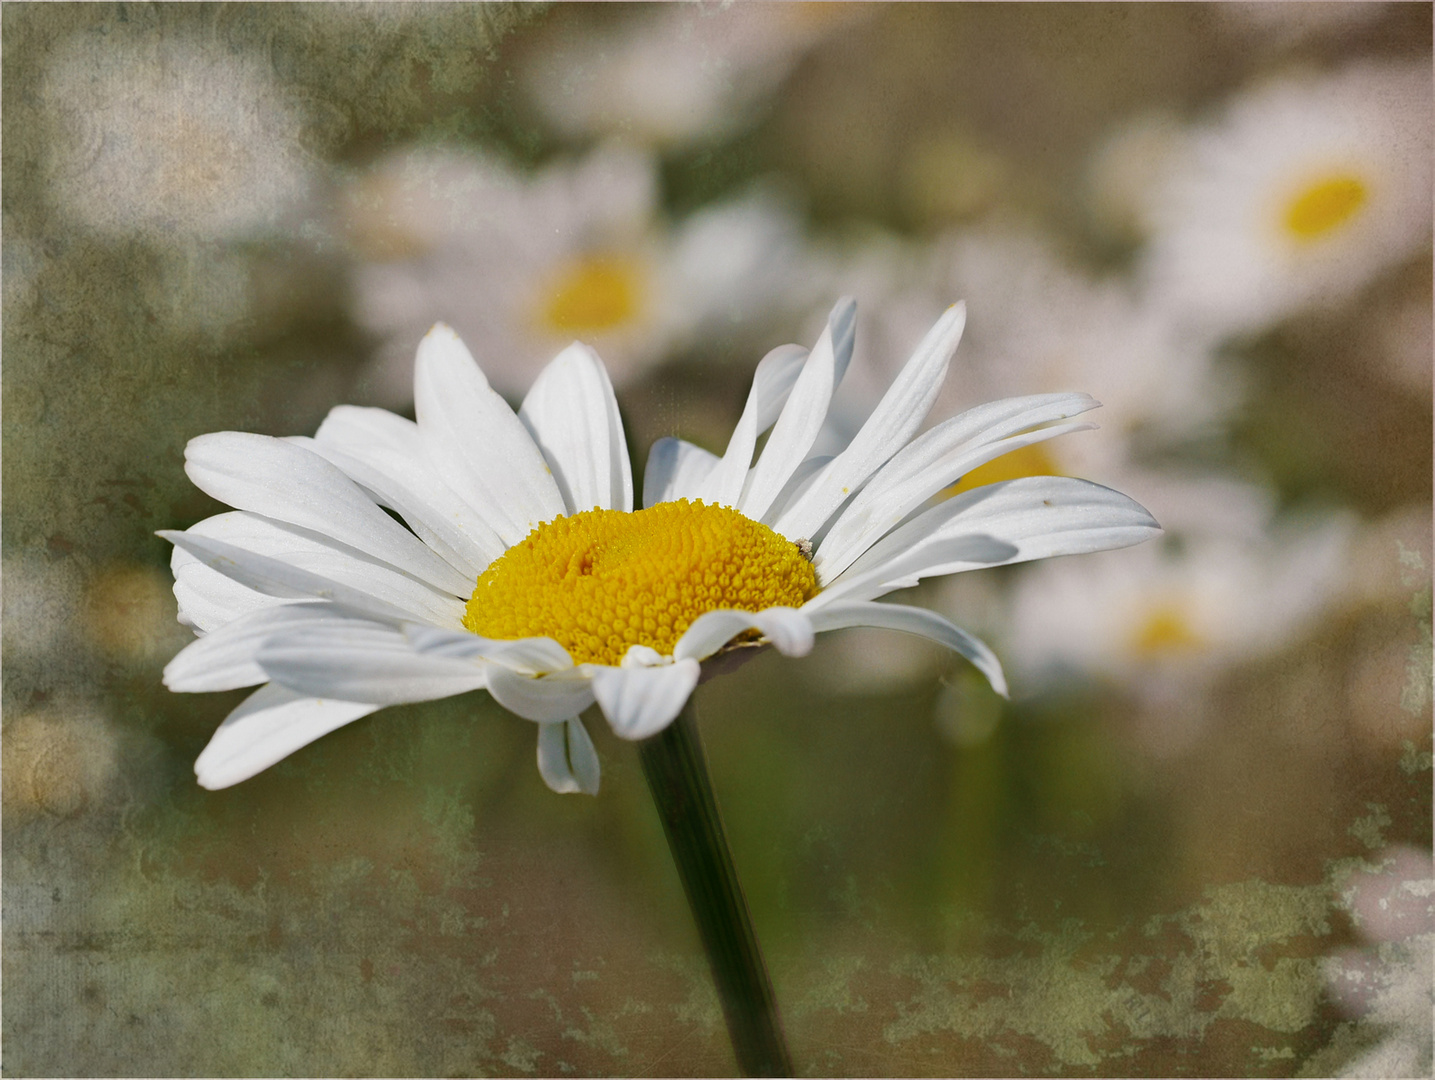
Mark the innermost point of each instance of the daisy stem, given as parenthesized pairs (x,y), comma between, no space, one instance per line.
(677,773)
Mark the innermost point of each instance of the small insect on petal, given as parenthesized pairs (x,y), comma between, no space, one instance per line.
(804,548)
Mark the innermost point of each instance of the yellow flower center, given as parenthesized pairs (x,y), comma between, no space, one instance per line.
(601,581)
(1166,631)
(1324,206)
(1030,460)
(595,293)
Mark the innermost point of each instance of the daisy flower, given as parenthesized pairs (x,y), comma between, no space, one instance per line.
(528,570)
(577,249)
(1302,192)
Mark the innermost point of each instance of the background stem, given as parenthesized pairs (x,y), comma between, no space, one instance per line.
(677,773)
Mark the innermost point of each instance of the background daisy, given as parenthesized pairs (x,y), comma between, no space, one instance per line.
(524,263)
(1304,190)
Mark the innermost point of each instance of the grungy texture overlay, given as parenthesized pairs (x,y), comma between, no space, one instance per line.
(404,897)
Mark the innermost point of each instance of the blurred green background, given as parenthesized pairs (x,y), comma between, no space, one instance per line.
(1112,874)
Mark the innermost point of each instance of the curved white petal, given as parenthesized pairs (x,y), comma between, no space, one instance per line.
(641,701)
(567,760)
(385,454)
(572,414)
(281,561)
(325,557)
(797,486)
(287,482)
(771,384)
(478,447)
(788,629)
(361,661)
(895,419)
(207,599)
(913,620)
(802,416)
(936,459)
(643,656)
(1036,517)
(675,470)
(269,725)
(542,698)
(528,656)
(224,660)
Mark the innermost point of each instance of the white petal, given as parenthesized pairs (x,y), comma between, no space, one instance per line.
(528,656)
(291,483)
(642,656)
(802,417)
(367,662)
(806,475)
(788,629)
(283,580)
(771,385)
(937,459)
(224,660)
(543,698)
(675,470)
(207,599)
(478,447)
(566,758)
(895,419)
(269,725)
(385,454)
(1037,517)
(572,414)
(322,556)
(913,620)
(641,701)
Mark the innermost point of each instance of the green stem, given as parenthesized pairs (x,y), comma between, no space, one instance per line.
(677,773)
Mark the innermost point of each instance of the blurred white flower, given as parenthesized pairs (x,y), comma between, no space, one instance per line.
(1301,193)
(673,72)
(1046,325)
(1037,325)
(525,264)
(1178,612)
(174,138)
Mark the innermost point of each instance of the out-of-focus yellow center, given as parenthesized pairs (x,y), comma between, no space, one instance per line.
(1030,460)
(1164,631)
(601,581)
(1324,206)
(595,293)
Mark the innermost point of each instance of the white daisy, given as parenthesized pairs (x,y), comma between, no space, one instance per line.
(1302,192)
(577,249)
(529,572)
